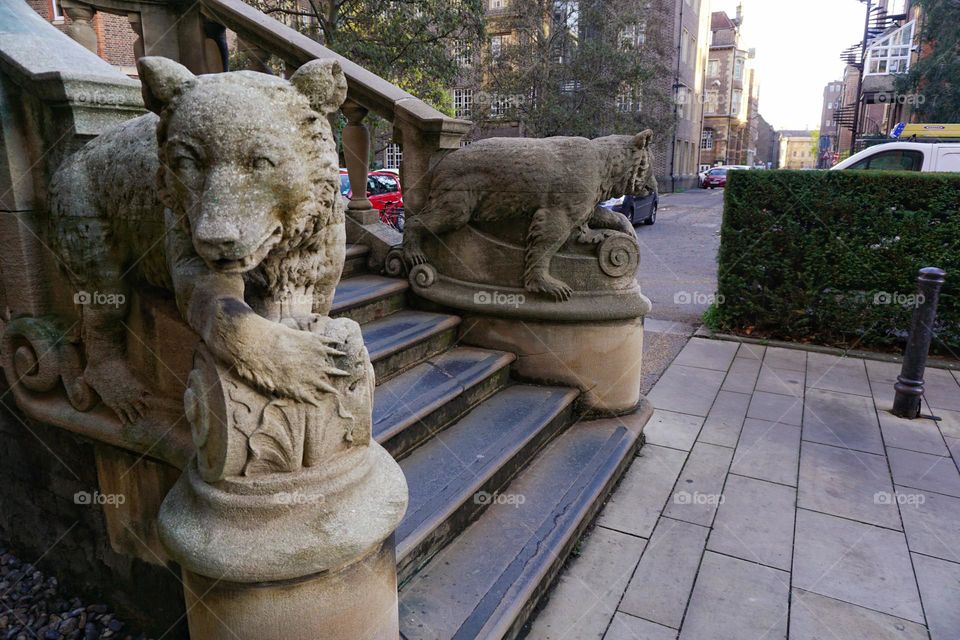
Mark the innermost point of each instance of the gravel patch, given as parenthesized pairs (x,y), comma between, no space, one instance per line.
(33,607)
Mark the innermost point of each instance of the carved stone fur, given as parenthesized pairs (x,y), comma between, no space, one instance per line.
(227,195)
(556,183)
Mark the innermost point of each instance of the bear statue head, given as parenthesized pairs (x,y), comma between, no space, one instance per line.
(247,160)
(643,182)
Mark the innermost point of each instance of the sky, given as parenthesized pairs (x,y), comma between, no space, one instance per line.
(798,45)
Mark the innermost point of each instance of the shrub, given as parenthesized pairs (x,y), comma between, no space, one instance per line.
(832,256)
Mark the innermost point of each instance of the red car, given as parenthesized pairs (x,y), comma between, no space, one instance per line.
(716,177)
(383,189)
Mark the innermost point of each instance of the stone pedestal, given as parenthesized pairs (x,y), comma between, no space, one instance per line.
(602,359)
(348,603)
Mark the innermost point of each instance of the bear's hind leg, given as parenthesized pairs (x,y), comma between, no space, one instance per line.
(438,217)
(95,273)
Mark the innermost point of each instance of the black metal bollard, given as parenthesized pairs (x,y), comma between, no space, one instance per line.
(909,385)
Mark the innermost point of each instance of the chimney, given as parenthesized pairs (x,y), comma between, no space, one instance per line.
(739,13)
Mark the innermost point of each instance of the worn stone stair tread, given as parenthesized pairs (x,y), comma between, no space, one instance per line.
(419,392)
(387,336)
(480,452)
(486,582)
(365,289)
(355,261)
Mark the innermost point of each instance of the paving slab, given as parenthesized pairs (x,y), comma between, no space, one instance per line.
(774,407)
(723,423)
(737,600)
(837,373)
(949,422)
(782,381)
(954,445)
(816,617)
(882,375)
(846,483)
(627,627)
(588,591)
(671,429)
(924,471)
(768,451)
(742,376)
(688,390)
(751,351)
(661,585)
(841,419)
(645,488)
(941,389)
(940,591)
(755,522)
(931,522)
(707,354)
(855,562)
(699,488)
(780,358)
(915,435)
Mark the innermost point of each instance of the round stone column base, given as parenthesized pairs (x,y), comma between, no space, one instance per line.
(602,359)
(355,601)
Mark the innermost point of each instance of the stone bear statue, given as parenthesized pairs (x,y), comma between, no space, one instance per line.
(554,183)
(227,194)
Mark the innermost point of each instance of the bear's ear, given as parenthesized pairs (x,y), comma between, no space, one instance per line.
(323,83)
(162,80)
(642,139)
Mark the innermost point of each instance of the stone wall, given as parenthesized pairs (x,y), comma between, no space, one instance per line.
(42,469)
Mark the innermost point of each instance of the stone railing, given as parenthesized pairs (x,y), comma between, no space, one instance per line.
(191,38)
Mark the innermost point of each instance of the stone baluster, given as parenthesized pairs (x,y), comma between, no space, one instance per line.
(80,29)
(136,23)
(356,151)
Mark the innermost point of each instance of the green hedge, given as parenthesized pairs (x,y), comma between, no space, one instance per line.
(832,256)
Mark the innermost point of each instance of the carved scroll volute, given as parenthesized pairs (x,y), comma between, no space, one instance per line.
(220,453)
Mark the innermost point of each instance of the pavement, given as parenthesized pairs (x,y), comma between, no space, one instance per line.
(775,497)
(678,272)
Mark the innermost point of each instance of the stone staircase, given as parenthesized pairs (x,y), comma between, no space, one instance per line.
(463,430)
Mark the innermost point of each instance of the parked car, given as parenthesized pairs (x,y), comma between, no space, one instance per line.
(905,156)
(716,177)
(636,209)
(383,188)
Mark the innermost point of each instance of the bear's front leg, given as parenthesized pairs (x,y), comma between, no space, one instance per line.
(545,237)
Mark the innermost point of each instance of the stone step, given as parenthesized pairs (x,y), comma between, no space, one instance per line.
(355,263)
(486,583)
(450,475)
(367,298)
(418,403)
(405,338)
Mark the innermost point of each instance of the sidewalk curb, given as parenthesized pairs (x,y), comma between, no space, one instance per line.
(933,362)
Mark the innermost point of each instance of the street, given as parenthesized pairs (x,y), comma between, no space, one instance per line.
(678,255)
(678,272)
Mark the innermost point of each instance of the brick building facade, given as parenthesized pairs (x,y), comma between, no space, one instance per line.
(115,36)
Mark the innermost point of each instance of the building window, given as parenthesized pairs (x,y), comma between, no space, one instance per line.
(632,36)
(392,156)
(501,106)
(712,101)
(463,53)
(496,46)
(737,99)
(738,69)
(496,5)
(462,102)
(713,68)
(891,54)
(706,139)
(57,11)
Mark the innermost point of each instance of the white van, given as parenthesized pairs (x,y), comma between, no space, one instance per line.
(906,156)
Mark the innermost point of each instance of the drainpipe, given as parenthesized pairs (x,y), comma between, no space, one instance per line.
(676,104)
